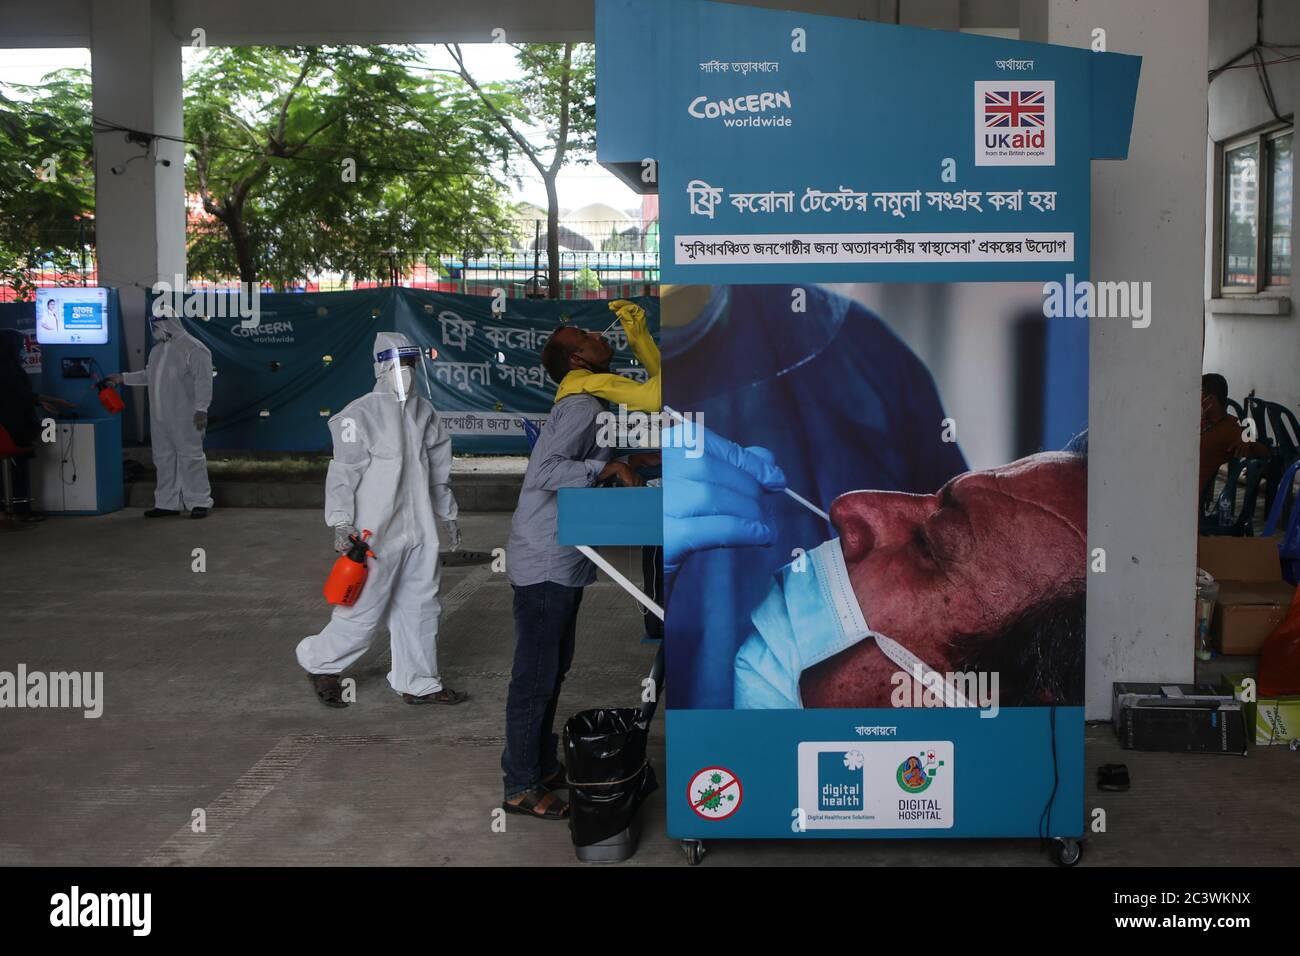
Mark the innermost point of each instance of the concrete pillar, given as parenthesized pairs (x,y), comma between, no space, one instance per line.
(1148,224)
(139,210)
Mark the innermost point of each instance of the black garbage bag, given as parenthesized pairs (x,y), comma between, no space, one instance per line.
(605,752)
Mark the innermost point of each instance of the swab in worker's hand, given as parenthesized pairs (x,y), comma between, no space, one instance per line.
(676,416)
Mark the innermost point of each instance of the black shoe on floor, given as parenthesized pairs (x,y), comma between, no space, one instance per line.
(1113,776)
(160,513)
(329,689)
(198,512)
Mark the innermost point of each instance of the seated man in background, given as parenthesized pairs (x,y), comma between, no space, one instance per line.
(1221,438)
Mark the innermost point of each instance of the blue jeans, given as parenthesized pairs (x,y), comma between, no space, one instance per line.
(546,619)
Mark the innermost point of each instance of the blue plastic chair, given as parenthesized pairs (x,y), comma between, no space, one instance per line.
(1277,428)
(1289,546)
(531,432)
(1222,517)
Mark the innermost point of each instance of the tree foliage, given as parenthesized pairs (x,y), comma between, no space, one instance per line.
(556,87)
(46,177)
(276,133)
(312,159)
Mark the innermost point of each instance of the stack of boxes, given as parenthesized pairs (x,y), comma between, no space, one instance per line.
(1226,715)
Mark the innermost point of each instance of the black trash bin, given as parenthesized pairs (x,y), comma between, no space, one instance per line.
(608,776)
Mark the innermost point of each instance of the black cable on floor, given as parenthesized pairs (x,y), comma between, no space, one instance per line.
(1046,816)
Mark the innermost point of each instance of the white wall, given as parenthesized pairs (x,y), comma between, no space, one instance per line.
(1148,225)
(1259,352)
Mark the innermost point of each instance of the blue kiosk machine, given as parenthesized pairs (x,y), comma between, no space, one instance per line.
(78,471)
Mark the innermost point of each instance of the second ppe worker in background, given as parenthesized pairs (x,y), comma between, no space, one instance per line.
(391,475)
(179,376)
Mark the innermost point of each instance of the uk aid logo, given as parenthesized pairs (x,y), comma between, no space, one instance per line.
(1015,123)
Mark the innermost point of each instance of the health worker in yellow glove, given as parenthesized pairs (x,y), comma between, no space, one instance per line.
(588,378)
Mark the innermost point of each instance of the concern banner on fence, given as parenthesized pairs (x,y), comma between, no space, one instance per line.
(279,381)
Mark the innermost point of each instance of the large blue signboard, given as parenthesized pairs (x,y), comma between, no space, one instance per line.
(895,647)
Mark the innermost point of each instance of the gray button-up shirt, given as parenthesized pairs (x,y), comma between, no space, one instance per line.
(566,456)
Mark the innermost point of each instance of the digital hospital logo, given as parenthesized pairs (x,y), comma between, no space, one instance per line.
(1015,123)
(714,793)
(840,781)
(917,771)
(750,105)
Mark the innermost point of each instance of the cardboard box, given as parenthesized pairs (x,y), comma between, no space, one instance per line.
(1253,597)
(1269,720)
(1277,720)
(1178,718)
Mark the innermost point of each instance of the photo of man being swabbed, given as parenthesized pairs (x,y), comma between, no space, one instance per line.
(981,571)
(986,575)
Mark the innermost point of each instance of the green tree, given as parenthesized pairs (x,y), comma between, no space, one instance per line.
(586,280)
(47,177)
(276,134)
(557,87)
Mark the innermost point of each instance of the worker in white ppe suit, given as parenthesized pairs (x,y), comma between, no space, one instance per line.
(390,475)
(178,374)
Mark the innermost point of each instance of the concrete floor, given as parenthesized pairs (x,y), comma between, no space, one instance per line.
(207,708)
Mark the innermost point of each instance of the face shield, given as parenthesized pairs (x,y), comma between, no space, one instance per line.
(402,369)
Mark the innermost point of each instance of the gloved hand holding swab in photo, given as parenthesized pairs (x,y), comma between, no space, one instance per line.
(676,416)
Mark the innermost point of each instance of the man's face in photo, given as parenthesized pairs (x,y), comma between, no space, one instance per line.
(927,569)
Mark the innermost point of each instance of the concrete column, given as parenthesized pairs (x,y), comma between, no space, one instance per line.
(139,210)
(1148,225)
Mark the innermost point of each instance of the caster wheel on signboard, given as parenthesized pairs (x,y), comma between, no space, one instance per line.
(1066,852)
(694,850)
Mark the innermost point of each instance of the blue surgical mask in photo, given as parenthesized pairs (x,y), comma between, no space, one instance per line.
(810,614)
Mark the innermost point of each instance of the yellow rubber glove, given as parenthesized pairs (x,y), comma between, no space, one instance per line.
(639,339)
(637,396)
(618,389)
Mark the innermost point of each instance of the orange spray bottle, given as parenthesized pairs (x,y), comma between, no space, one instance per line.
(348,576)
(109,398)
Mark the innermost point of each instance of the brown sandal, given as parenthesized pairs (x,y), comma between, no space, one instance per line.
(540,803)
(444,696)
(329,689)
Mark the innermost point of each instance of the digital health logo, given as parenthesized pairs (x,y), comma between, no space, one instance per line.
(911,784)
(1015,123)
(840,780)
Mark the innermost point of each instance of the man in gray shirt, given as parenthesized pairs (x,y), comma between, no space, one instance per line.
(548,577)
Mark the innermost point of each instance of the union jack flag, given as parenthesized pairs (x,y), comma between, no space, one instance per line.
(1014,108)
